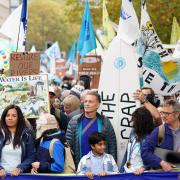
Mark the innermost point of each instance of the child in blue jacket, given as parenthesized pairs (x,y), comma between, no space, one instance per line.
(47,161)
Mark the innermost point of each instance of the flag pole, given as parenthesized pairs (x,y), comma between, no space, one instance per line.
(18,35)
(99,41)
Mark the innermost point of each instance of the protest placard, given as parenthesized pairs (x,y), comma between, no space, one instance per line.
(30,93)
(60,67)
(24,63)
(91,66)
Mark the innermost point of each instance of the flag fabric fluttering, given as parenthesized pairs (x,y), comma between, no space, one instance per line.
(108,31)
(15,26)
(33,49)
(72,54)
(175,32)
(24,19)
(128,25)
(87,37)
(53,53)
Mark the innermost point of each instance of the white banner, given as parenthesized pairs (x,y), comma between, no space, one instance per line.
(128,25)
(149,35)
(118,81)
(176,53)
(153,79)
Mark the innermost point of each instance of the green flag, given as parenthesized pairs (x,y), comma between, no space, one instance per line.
(175,33)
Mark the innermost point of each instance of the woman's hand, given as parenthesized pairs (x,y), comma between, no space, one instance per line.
(2,173)
(167,166)
(102,173)
(15,172)
(34,171)
(90,175)
(35,165)
(139,171)
(138,95)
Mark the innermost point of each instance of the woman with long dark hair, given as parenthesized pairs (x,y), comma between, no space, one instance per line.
(17,150)
(142,126)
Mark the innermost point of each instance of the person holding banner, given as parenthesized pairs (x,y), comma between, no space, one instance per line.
(147,98)
(97,162)
(50,146)
(142,126)
(81,126)
(17,149)
(163,139)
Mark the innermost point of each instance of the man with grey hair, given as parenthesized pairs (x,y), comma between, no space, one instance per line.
(81,126)
(163,138)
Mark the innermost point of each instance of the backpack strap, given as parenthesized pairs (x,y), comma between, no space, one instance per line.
(51,146)
(161,133)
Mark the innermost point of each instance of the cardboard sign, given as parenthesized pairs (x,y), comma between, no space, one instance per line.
(30,93)
(60,67)
(24,63)
(91,66)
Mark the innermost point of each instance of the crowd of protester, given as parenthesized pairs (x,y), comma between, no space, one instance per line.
(74,137)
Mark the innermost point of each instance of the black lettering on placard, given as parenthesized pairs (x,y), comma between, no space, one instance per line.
(125,98)
(127,110)
(172,87)
(108,102)
(126,122)
(127,113)
(109,105)
(156,40)
(164,86)
(144,72)
(123,136)
(163,54)
(149,78)
(140,62)
(109,117)
(159,46)
(107,97)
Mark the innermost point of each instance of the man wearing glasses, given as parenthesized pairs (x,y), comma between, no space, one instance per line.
(169,141)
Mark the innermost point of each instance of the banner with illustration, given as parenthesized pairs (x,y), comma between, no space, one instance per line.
(28,92)
(153,55)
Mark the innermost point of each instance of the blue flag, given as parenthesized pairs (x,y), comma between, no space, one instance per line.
(24,19)
(87,38)
(72,54)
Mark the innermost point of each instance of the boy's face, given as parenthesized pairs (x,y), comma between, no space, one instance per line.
(99,148)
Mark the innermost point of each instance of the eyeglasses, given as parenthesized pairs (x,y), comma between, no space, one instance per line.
(166,113)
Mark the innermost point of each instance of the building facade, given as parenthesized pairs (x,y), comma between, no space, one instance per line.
(4,10)
(7,7)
